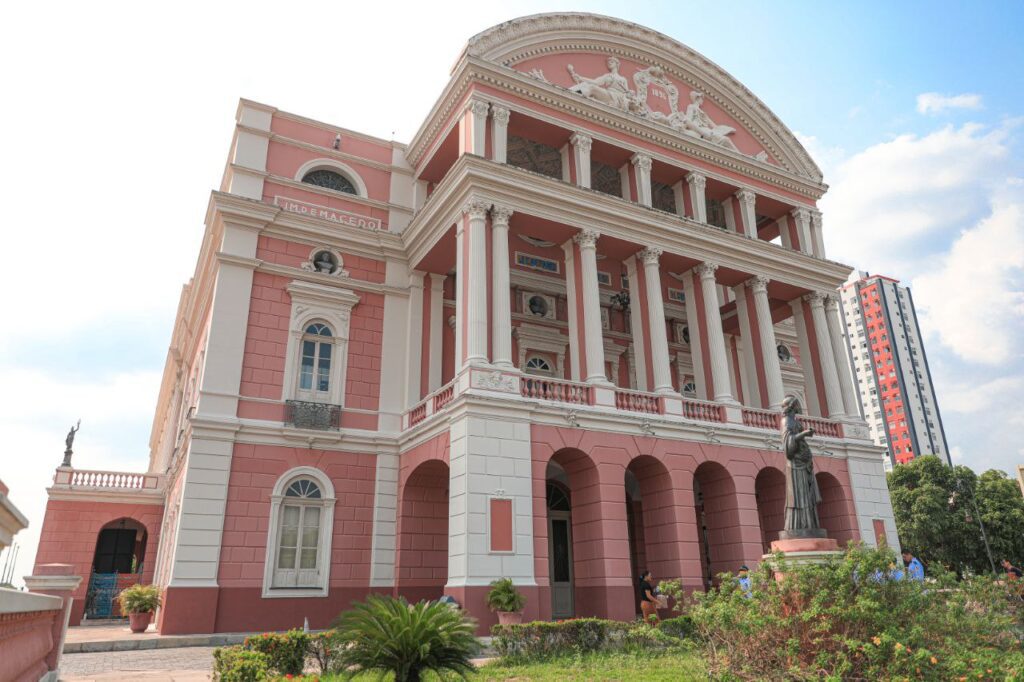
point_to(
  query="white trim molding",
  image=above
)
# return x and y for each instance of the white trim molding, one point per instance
(334, 165)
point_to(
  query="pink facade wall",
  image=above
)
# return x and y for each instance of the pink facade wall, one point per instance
(71, 528)
(26, 642)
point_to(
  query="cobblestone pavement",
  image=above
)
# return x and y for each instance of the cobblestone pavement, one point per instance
(190, 664)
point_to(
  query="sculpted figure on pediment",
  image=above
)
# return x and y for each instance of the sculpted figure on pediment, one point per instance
(696, 122)
(611, 88)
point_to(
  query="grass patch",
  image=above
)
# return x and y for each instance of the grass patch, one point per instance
(674, 667)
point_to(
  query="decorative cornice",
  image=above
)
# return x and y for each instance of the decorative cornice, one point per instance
(587, 239)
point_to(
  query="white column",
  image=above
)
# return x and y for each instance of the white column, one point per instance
(581, 157)
(704, 389)
(680, 198)
(806, 352)
(636, 328)
(436, 331)
(697, 183)
(747, 200)
(501, 309)
(802, 218)
(817, 238)
(716, 338)
(414, 352)
(758, 287)
(499, 133)
(472, 284)
(841, 353)
(783, 223)
(474, 140)
(656, 314)
(642, 170)
(826, 359)
(748, 359)
(593, 335)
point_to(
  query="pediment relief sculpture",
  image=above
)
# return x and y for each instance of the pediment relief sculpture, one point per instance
(613, 89)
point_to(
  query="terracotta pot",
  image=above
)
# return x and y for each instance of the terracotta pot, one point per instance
(138, 622)
(510, 617)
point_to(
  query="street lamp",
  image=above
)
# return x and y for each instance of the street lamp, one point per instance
(974, 505)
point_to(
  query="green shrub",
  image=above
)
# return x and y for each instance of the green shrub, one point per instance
(235, 664)
(139, 599)
(504, 596)
(680, 627)
(384, 634)
(324, 649)
(542, 640)
(285, 651)
(847, 619)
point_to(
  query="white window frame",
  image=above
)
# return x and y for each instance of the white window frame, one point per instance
(338, 167)
(323, 558)
(328, 305)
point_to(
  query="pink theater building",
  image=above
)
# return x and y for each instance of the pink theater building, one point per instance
(546, 339)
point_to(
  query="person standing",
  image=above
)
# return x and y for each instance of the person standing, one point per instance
(1012, 572)
(915, 569)
(648, 600)
(744, 580)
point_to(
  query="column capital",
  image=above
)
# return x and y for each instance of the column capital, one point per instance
(475, 207)
(500, 215)
(478, 107)
(815, 298)
(746, 196)
(650, 255)
(801, 214)
(831, 302)
(758, 284)
(581, 141)
(641, 161)
(697, 179)
(706, 270)
(815, 218)
(587, 239)
(500, 114)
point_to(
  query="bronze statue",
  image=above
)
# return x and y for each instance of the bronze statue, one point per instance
(802, 494)
(68, 442)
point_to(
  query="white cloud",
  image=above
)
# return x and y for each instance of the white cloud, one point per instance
(933, 102)
(973, 397)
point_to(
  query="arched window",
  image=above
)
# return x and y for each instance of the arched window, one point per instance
(557, 498)
(329, 179)
(298, 551)
(538, 365)
(315, 368)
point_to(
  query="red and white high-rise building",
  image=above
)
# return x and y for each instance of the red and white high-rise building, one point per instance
(893, 379)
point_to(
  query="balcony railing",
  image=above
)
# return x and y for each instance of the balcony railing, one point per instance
(308, 415)
(85, 480)
(636, 401)
(760, 419)
(555, 390)
(443, 397)
(700, 410)
(822, 427)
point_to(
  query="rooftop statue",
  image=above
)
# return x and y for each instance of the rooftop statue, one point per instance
(802, 494)
(68, 442)
(612, 88)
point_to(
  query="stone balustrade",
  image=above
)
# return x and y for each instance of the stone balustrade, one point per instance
(83, 479)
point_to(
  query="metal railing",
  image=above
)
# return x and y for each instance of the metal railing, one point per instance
(308, 415)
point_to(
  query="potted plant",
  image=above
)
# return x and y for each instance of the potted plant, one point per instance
(507, 601)
(139, 602)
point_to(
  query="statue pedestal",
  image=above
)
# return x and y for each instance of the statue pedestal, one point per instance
(806, 550)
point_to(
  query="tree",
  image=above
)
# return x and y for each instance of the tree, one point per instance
(936, 517)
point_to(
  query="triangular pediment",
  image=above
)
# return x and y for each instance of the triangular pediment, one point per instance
(647, 75)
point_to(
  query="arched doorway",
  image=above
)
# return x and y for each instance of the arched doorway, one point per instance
(834, 512)
(559, 506)
(770, 491)
(651, 521)
(718, 521)
(117, 563)
(422, 562)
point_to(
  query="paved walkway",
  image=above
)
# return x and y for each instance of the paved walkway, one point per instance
(118, 637)
(185, 664)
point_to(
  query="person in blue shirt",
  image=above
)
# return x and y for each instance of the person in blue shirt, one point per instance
(915, 569)
(744, 580)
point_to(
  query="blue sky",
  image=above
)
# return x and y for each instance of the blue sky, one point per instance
(119, 118)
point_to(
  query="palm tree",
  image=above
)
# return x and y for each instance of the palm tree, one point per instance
(384, 634)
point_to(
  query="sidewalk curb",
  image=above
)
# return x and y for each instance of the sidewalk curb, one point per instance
(167, 642)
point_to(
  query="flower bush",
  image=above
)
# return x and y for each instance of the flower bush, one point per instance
(285, 651)
(543, 640)
(849, 619)
(235, 664)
